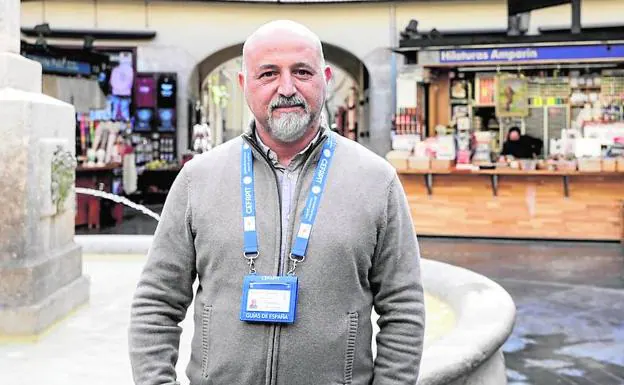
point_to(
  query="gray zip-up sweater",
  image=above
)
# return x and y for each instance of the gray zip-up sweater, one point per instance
(363, 252)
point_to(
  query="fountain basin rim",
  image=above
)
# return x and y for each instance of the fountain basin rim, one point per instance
(485, 316)
(485, 313)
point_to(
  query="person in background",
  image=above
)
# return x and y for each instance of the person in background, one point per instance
(521, 146)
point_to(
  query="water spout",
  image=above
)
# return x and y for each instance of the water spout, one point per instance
(118, 199)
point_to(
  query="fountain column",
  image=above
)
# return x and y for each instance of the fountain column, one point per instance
(41, 276)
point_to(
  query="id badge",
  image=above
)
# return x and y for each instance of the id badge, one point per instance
(269, 299)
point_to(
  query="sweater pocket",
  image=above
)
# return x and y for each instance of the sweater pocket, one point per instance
(205, 339)
(352, 329)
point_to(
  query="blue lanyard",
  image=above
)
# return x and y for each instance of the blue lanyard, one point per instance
(309, 213)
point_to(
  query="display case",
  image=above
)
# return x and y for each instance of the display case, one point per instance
(154, 131)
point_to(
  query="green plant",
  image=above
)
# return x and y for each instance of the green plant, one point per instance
(63, 167)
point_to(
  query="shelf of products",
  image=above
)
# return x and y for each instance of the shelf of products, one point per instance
(572, 119)
(407, 121)
(557, 101)
(155, 117)
(139, 117)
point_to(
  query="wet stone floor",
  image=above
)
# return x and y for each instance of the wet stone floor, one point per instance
(570, 305)
(89, 346)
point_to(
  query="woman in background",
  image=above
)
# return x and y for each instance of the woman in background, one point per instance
(521, 146)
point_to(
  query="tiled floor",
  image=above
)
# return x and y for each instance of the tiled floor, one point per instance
(569, 297)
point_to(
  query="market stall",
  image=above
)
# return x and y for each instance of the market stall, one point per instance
(126, 123)
(515, 141)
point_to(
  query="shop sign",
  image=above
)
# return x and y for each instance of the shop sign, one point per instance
(532, 54)
(61, 65)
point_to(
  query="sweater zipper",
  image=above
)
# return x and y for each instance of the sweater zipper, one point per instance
(279, 203)
(274, 328)
(289, 234)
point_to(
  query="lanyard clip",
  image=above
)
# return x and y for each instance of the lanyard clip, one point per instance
(295, 259)
(251, 258)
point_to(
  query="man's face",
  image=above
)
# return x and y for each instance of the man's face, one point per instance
(513, 135)
(285, 84)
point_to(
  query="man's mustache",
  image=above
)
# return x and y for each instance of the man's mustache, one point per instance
(293, 101)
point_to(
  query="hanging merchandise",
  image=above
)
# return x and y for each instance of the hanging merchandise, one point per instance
(145, 91)
(166, 119)
(202, 138)
(103, 78)
(122, 76)
(459, 89)
(485, 89)
(155, 126)
(167, 94)
(144, 120)
(106, 144)
(119, 107)
(511, 96)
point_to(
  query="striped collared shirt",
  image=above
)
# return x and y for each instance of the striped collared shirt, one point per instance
(287, 177)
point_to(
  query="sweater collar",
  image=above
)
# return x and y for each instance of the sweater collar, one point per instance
(252, 134)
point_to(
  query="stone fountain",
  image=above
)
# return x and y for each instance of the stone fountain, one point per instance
(41, 276)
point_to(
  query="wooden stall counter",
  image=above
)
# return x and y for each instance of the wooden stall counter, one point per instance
(508, 203)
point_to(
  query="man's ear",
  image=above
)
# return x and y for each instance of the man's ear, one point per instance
(328, 74)
(241, 80)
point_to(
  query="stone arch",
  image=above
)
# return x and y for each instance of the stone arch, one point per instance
(333, 53)
(348, 63)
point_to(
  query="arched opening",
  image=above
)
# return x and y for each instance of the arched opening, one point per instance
(223, 109)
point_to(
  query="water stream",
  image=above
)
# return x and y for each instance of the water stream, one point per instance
(118, 199)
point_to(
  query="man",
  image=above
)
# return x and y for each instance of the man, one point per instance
(294, 235)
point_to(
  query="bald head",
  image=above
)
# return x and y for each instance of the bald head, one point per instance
(284, 78)
(282, 30)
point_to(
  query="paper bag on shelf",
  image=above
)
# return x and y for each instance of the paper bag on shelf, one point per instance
(398, 159)
(590, 164)
(419, 163)
(441, 164)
